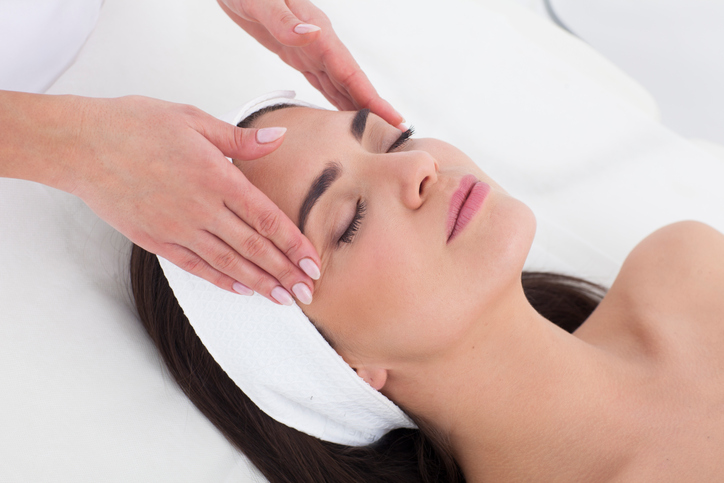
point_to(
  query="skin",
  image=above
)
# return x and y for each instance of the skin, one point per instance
(157, 172)
(444, 330)
(407, 194)
(318, 54)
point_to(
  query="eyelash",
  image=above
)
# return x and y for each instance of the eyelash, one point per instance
(353, 227)
(402, 140)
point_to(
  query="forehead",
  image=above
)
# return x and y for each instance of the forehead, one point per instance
(314, 138)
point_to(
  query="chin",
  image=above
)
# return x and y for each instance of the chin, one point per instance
(506, 240)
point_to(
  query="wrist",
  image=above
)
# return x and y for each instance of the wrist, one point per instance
(43, 138)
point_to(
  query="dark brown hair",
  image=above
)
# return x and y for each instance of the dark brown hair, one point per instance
(283, 454)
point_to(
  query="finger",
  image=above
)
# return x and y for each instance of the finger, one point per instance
(256, 30)
(365, 95)
(258, 249)
(312, 79)
(286, 28)
(269, 222)
(225, 259)
(341, 101)
(385, 110)
(344, 71)
(240, 143)
(189, 261)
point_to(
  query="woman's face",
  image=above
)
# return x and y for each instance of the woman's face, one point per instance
(394, 287)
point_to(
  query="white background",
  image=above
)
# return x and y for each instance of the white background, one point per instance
(672, 47)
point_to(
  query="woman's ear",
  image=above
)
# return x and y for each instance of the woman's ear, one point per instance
(374, 377)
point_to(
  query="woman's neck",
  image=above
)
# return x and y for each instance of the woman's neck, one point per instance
(520, 400)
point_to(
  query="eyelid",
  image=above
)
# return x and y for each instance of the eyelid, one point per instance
(352, 228)
(337, 220)
(401, 140)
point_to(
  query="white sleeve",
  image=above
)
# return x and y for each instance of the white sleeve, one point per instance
(40, 39)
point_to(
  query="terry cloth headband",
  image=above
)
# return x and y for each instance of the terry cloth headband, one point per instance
(276, 356)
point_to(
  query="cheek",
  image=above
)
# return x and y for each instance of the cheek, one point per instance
(392, 301)
(399, 296)
(493, 260)
(372, 304)
(512, 229)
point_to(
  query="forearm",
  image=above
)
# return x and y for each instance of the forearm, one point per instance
(41, 137)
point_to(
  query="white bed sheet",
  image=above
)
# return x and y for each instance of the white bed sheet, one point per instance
(85, 397)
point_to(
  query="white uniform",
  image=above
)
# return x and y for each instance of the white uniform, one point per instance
(40, 39)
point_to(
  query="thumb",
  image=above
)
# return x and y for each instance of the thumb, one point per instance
(244, 144)
(285, 27)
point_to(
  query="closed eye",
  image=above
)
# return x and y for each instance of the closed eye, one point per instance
(402, 140)
(349, 234)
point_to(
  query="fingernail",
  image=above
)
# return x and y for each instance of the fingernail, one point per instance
(310, 268)
(282, 296)
(305, 28)
(304, 295)
(242, 289)
(403, 126)
(269, 134)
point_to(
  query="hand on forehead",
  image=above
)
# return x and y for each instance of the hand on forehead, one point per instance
(314, 138)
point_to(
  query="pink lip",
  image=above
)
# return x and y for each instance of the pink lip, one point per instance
(465, 202)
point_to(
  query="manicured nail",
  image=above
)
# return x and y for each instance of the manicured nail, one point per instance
(282, 296)
(304, 295)
(242, 289)
(269, 134)
(305, 28)
(310, 268)
(403, 126)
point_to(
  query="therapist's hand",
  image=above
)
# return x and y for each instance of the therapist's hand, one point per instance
(157, 172)
(302, 36)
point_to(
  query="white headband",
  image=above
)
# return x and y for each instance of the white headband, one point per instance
(273, 98)
(275, 355)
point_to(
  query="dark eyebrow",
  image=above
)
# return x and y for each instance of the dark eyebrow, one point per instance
(320, 184)
(331, 172)
(358, 123)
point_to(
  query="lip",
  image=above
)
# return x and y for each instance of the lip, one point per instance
(466, 201)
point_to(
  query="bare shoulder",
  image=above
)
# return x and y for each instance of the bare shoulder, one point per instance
(677, 269)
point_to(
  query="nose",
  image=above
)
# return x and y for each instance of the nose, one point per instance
(416, 173)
